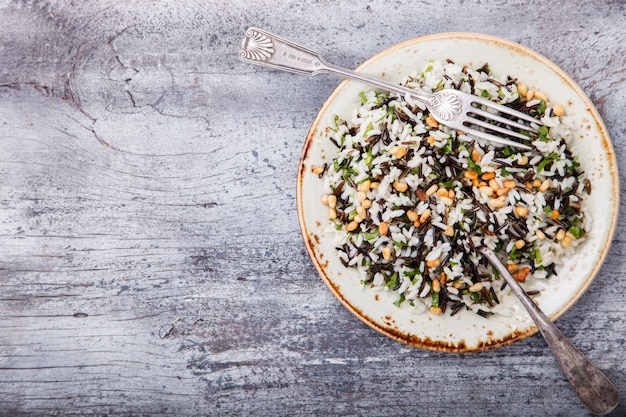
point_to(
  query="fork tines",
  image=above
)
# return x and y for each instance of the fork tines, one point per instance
(508, 121)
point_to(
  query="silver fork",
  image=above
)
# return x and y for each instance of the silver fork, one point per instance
(452, 108)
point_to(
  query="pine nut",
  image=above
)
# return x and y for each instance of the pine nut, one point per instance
(430, 140)
(502, 191)
(521, 211)
(365, 186)
(350, 227)
(520, 243)
(476, 156)
(434, 263)
(317, 170)
(442, 192)
(425, 215)
(522, 89)
(358, 218)
(566, 242)
(332, 201)
(496, 202)
(449, 231)
(560, 235)
(523, 160)
(486, 190)
(412, 215)
(436, 285)
(400, 186)
(494, 184)
(383, 229)
(555, 214)
(374, 185)
(558, 110)
(540, 235)
(512, 267)
(430, 121)
(509, 184)
(360, 196)
(435, 310)
(325, 199)
(488, 175)
(447, 200)
(530, 95)
(451, 193)
(401, 152)
(361, 212)
(433, 188)
(332, 214)
(541, 96)
(544, 186)
(469, 174)
(476, 287)
(386, 252)
(536, 183)
(366, 204)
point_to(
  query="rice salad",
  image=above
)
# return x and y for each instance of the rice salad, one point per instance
(410, 200)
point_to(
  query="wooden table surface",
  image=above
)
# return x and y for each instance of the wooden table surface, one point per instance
(151, 261)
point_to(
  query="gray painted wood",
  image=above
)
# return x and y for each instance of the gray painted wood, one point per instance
(150, 256)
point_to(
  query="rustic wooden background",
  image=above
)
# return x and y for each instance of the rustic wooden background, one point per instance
(151, 261)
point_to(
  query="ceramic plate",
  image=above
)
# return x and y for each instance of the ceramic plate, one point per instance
(465, 331)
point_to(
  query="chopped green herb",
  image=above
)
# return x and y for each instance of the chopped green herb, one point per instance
(393, 281)
(547, 161)
(447, 148)
(400, 300)
(368, 158)
(369, 127)
(508, 151)
(541, 107)
(474, 166)
(363, 96)
(576, 231)
(538, 258)
(504, 172)
(543, 133)
(435, 298)
(371, 235)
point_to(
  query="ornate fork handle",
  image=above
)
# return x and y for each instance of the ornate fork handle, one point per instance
(595, 390)
(263, 48)
(451, 107)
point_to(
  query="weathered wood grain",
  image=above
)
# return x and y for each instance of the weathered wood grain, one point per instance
(150, 257)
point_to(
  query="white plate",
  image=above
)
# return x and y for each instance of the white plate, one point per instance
(465, 331)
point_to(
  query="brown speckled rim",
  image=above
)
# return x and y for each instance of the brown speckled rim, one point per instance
(428, 343)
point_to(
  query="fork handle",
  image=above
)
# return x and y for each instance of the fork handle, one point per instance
(263, 48)
(595, 390)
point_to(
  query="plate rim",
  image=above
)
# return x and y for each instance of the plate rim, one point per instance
(516, 335)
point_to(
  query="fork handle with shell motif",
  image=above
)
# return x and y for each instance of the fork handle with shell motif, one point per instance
(266, 49)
